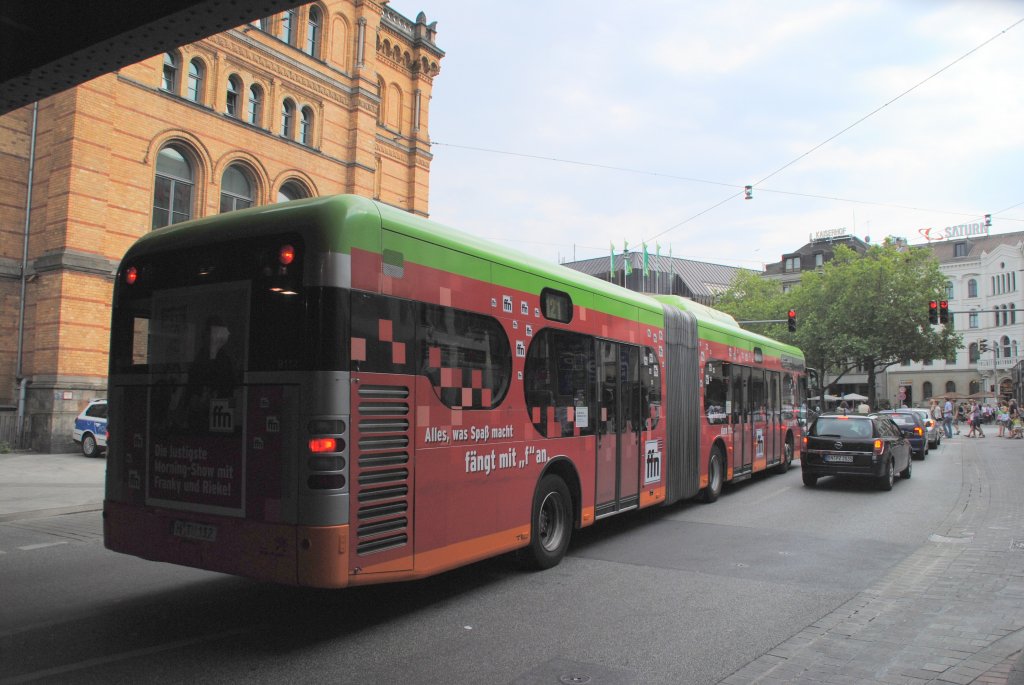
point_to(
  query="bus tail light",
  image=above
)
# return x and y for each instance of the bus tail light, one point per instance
(318, 445)
(286, 255)
(131, 275)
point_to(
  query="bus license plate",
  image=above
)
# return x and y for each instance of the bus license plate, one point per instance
(194, 531)
(839, 458)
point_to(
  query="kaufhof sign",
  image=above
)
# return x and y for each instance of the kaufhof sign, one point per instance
(949, 232)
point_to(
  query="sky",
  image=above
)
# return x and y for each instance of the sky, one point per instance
(562, 126)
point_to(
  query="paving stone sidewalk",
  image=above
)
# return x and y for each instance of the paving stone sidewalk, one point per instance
(952, 612)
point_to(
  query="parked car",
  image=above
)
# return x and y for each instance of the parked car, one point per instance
(932, 428)
(913, 427)
(862, 445)
(91, 428)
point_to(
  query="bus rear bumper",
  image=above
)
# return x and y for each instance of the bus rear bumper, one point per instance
(273, 552)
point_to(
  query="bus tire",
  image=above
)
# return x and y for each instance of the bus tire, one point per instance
(716, 475)
(787, 456)
(550, 524)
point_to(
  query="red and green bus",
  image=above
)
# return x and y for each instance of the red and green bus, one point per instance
(333, 392)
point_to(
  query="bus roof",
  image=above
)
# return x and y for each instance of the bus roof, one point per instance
(315, 216)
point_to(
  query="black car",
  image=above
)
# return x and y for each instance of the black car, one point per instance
(913, 428)
(865, 445)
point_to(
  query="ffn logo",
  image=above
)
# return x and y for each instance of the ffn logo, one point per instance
(222, 419)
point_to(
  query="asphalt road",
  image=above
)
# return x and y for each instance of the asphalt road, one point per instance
(685, 594)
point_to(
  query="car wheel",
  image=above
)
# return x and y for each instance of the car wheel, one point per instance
(89, 447)
(551, 524)
(787, 457)
(889, 477)
(905, 473)
(810, 480)
(716, 475)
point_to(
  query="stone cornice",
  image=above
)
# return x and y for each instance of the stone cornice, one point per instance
(72, 260)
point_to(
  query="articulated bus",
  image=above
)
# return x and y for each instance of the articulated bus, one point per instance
(332, 392)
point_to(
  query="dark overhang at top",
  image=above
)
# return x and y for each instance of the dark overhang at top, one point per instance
(46, 48)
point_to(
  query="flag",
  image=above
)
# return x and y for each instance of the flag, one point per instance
(647, 267)
(625, 255)
(611, 263)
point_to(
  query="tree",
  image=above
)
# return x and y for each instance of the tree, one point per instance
(753, 298)
(872, 311)
(869, 311)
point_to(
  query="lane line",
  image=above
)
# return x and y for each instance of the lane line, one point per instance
(41, 545)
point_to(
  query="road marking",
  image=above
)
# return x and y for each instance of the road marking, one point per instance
(28, 548)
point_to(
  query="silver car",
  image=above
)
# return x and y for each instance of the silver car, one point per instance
(932, 428)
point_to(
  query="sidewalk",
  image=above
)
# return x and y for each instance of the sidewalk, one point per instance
(33, 485)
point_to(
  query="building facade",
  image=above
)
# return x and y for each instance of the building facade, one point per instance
(983, 290)
(329, 97)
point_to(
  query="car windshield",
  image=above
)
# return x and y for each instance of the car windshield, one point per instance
(842, 427)
(903, 420)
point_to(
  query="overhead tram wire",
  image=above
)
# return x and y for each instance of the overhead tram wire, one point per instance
(854, 124)
(612, 167)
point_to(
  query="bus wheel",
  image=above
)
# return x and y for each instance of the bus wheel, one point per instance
(551, 524)
(787, 457)
(716, 475)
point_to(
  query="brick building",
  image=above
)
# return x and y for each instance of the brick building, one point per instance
(329, 97)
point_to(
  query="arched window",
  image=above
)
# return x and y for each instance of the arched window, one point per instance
(1006, 346)
(288, 119)
(949, 290)
(394, 113)
(255, 105)
(306, 126)
(950, 386)
(196, 72)
(172, 192)
(170, 76)
(288, 27)
(235, 189)
(292, 190)
(234, 91)
(972, 288)
(313, 31)
(926, 390)
(973, 353)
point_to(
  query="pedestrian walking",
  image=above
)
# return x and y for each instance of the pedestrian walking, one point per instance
(947, 418)
(974, 419)
(1003, 418)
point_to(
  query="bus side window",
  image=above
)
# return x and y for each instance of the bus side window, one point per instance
(560, 384)
(716, 392)
(650, 389)
(466, 356)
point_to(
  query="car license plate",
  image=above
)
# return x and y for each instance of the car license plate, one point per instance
(839, 458)
(194, 531)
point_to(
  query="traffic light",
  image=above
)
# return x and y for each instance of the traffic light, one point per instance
(943, 312)
(933, 312)
(792, 321)
(983, 345)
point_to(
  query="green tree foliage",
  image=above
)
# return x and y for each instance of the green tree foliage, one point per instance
(753, 298)
(869, 311)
